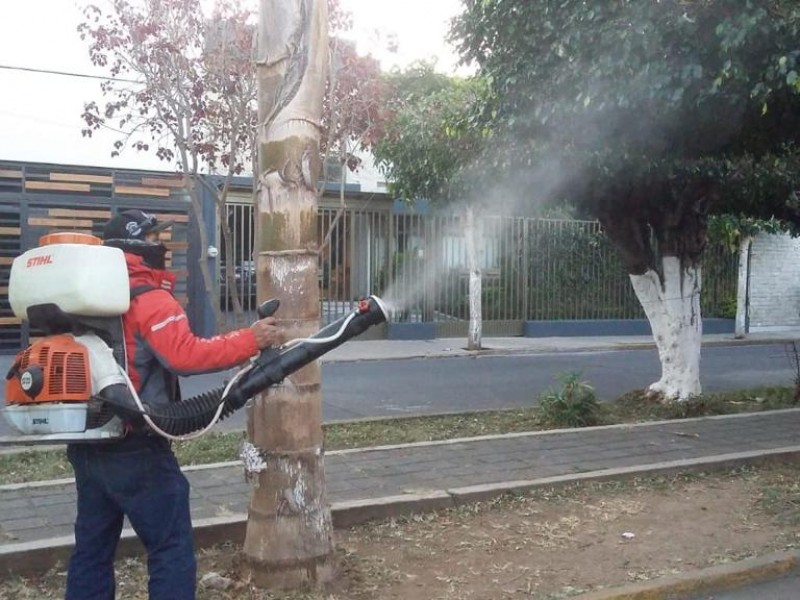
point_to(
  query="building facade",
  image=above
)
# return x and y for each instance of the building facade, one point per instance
(539, 276)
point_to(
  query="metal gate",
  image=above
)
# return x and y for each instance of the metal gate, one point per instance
(532, 269)
(353, 259)
(241, 224)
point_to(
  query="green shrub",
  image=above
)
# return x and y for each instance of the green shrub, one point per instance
(727, 309)
(574, 405)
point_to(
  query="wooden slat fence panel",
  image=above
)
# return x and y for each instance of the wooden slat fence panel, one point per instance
(11, 329)
(38, 199)
(57, 186)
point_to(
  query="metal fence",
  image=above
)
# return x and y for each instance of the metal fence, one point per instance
(532, 269)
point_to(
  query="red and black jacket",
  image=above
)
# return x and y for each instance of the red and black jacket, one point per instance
(160, 346)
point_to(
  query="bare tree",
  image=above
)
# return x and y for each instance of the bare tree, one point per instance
(353, 111)
(182, 86)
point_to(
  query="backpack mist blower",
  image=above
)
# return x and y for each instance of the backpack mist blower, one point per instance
(72, 385)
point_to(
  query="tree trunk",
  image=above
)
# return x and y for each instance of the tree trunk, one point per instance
(743, 288)
(673, 309)
(473, 264)
(289, 540)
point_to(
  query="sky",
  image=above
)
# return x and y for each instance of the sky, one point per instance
(419, 27)
(40, 113)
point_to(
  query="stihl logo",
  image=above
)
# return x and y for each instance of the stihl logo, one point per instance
(37, 261)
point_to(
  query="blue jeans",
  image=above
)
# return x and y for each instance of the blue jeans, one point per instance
(137, 477)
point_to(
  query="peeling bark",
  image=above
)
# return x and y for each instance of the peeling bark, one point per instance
(289, 541)
(474, 267)
(673, 310)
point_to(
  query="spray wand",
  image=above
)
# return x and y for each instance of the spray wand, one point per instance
(195, 416)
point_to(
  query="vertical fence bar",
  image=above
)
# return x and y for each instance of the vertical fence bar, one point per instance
(533, 269)
(525, 272)
(523, 278)
(348, 259)
(529, 269)
(546, 266)
(551, 282)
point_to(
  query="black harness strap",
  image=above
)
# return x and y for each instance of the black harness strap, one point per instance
(141, 289)
(172, 381)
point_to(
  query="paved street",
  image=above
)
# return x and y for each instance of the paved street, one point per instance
(379, 388)
(367, 389)
(785, 588)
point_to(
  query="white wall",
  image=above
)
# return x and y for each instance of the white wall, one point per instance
(370, 177)
(774, 282)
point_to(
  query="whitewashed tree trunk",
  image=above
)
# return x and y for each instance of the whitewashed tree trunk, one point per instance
(472, 235)
(742, 288)
(673, 309)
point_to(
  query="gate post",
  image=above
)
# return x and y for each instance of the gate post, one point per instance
(199, 303)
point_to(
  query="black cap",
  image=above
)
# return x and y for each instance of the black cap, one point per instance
(132, 225)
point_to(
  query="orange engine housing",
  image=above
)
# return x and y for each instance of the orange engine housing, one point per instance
(65, 366)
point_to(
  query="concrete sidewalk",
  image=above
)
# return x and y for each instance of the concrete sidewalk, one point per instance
(36, 518)
(447, 347)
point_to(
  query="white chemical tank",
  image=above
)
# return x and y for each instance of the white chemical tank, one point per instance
(80, 276)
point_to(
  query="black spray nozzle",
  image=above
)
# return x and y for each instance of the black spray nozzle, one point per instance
(270, 368)
(280, 364)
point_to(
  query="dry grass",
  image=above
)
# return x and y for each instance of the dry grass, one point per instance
(552, 543)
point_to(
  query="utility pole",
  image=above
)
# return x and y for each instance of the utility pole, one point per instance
(289, 542)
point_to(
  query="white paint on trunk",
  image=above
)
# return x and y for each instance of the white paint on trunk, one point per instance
(301, 497)
(252, 459)
(473, 264)
(290, 273)
(673, 310)
(742, 287)
(294, 496)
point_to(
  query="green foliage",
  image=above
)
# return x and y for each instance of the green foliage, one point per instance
(728, 307)
(559, 270)
(720, 281)
(574, 405)
(575, 274)
(558, 68)
(418, 80)
(432, 134)
(732, 230)
(659, 113)
(759, 192)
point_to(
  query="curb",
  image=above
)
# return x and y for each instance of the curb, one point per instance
(32, 558)
(464, 440)
(442, 442)
(609, 346)
(711, 579)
